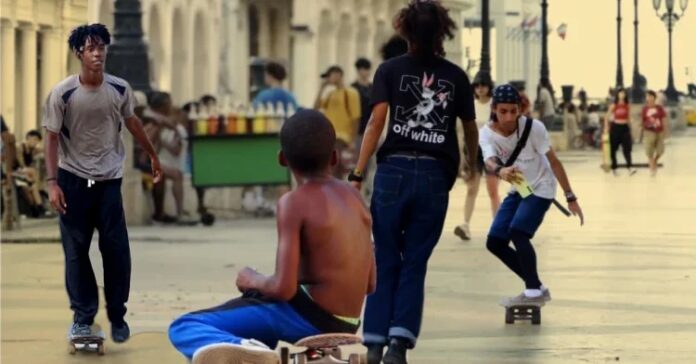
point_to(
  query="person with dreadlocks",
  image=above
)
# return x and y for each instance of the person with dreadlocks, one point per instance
(83, 117)
(521, 214)
(417, 166)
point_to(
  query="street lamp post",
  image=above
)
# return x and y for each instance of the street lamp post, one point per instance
(619, 67)
(128, 54)
(484, 72)
(637, 90)
(544, 41)
(670, 18)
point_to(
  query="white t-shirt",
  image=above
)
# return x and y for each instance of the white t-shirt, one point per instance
(483, 112)
(168, 136)
(532, 159)
(546, 99)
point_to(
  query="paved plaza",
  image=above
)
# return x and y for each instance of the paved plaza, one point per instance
(623, 286)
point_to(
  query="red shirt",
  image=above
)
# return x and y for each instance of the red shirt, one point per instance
(621, 112)
(654, 118)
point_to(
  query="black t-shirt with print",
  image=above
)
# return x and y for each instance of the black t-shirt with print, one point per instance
(425, 100)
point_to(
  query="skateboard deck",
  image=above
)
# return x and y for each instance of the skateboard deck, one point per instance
(92, 343)
(528, 311)
(606, 153)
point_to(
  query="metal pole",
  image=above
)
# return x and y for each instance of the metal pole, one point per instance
(544, 41)
(619, 68)
(637, 92)
(671, 92)
(127, 57)
(485, 68)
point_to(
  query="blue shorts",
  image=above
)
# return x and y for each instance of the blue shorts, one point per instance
(523, 214)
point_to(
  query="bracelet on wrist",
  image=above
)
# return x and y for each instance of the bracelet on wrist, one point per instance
(570, 197)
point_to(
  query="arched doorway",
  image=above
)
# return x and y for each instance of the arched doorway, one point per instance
(179, 54)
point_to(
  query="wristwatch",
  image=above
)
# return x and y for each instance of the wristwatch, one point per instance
(355, 176)
(570, 197)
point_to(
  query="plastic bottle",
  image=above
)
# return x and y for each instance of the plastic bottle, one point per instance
(259, 124)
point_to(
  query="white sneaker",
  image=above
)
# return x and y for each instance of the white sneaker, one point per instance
(248, 351)
(462, 231)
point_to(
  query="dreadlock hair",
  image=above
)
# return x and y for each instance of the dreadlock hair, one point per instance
(96, 32)
(425, 24)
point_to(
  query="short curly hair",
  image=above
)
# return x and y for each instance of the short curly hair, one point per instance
(425, 24)
(78, 37)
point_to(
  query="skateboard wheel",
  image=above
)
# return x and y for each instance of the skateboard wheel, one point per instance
(509, 319)
(335, 352)
(301, 359)
(357, 359)
(208, 219)
(536, 318)
(72, 349)
(100, 349)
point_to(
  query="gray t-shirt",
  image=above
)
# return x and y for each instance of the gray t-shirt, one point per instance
(89, 124)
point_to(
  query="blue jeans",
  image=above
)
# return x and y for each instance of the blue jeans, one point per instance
(517, 220)
(409, 206)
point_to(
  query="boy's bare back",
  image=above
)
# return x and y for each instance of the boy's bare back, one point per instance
(336, 253)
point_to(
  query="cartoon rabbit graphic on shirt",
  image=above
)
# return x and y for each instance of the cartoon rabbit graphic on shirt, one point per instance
(420, 116)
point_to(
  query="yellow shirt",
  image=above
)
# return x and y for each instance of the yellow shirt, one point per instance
(342, 108)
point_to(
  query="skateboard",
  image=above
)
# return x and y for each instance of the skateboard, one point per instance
(529, 311)
(323, 349)
(606, 153)
(93, 343)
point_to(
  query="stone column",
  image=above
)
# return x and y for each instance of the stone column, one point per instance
(8, 73)
(29, 99)
(50, 59)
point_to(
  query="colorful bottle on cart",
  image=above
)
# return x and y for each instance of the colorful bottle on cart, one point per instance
(280, 115)
(231, 126)
(269, 115)
(202, 123)
(259, 124)
(192, 120)
(249, 116)
(212, 123)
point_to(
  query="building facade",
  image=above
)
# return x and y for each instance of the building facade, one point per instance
(199, 47)
(35, 55)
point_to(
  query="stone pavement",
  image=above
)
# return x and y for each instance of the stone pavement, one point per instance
(622, 285)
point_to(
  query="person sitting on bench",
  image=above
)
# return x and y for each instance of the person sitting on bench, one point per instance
(324, 265)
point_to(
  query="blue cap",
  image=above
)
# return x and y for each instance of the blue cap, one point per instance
(506, 94)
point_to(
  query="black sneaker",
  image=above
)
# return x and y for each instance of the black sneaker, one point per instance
(120, 332)
(374, 353)
(396, 354)
(78, 330)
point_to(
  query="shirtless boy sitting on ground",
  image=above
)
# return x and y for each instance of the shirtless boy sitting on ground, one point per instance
(324, 266)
